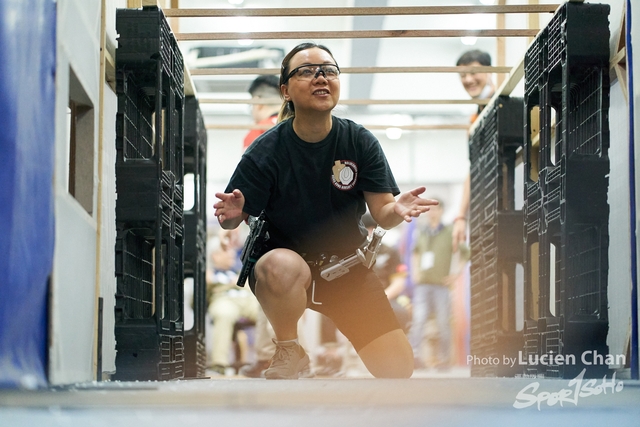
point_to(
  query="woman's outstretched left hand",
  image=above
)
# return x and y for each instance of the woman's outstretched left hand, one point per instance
(410, 205)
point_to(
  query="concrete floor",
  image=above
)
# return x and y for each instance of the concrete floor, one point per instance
(428, 399)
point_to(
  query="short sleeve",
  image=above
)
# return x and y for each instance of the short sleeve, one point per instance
(376, 175)
(254, 183)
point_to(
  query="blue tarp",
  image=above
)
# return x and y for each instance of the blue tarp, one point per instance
(27, 140)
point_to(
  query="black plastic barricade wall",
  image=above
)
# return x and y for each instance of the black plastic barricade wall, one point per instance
(195, 169)
(566, 183)
(496, 237)
(150, 222)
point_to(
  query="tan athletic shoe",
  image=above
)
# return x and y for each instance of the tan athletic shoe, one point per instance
(290, 361)
(255, 370)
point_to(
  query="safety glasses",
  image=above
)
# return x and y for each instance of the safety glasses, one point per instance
(313, 71)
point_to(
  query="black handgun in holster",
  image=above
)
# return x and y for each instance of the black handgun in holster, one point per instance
(253, 246)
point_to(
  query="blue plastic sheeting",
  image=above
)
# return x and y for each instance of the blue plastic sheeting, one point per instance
(27, 140)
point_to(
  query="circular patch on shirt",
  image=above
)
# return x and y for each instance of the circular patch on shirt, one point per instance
(345, 174)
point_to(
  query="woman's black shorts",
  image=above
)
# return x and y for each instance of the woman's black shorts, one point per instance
(356, 303)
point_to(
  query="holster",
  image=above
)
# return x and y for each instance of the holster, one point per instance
(253, 246)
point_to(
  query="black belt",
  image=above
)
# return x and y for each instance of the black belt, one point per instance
(322, 258)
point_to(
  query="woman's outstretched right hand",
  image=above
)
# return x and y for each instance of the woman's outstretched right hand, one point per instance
(228, 209)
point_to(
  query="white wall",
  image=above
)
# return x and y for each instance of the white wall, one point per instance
(619, 229)
(73, 299)
(106, 273)
(619, 278)
(84, 260)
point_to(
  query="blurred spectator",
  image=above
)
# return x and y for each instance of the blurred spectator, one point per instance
(266, 87)
(478, 86)
(227, 302)
(431, 271)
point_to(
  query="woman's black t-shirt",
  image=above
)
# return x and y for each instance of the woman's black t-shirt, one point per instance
(312, 193)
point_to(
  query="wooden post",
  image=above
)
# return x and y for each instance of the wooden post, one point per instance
(97, 351)
(534, 20)
(501, 43)
(174, 23)
(152, 3)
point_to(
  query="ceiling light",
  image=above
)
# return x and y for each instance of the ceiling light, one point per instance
(236, 2)
(393, 133)
(469, 41)
(245, 42)
(485, 2)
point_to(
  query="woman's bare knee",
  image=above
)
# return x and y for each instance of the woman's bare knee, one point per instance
(280, 270)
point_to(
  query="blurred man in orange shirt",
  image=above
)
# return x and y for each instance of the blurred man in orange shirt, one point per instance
(268, 88)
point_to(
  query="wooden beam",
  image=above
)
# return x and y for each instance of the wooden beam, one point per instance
(358, 11)
(462, 127)
(618, 63)
(517, 73)
(361, 34)
(110, 69)
(619, 57)
(354, 101)
(189, 87)
(352, 70)
(413, 101)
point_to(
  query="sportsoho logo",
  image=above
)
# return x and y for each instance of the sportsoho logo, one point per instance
(577, 389)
